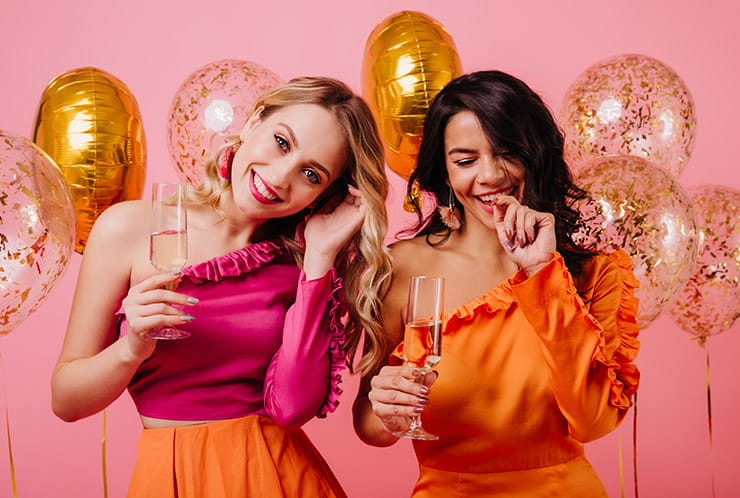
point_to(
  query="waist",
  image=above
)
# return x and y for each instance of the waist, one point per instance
(163, 423)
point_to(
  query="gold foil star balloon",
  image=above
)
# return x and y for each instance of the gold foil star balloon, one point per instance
(629, 105)
(37, 228)
(636, 206)
(709, 303)
(88, 121)
(409, 57)
(213, 102)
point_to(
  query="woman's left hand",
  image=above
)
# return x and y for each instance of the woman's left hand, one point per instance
(326, 233)
(527, 235)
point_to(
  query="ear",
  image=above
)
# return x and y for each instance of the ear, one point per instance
(253, 121)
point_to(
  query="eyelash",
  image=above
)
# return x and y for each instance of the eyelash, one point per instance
(282, 143)
(464, 162)
(312, 176)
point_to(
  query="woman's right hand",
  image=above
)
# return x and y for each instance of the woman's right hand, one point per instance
(149, 306)
(396, 395)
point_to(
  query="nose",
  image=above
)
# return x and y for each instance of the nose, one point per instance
(491, 170)
(281, 172)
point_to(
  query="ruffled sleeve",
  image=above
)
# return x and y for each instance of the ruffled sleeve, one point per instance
(303, 377)
(589, 340)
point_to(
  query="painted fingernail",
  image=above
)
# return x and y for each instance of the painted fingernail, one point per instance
(187, 318)
(418, 409)
(193, 300)
(509, 245)
(176, 271)
(424, 390)
(415, 373)
(423, 401)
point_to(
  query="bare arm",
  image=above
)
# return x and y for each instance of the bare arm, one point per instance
(94, 367)
(386, 400)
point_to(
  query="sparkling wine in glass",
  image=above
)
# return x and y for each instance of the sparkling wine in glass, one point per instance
(422, 341)
(168, 245)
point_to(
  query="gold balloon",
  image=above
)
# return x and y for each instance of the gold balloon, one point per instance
(88, 121)
(409, 57)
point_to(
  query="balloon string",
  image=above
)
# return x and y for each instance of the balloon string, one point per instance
(104, 466)
(634, 445)
(7, 430)
(621, 467)
(702, 343)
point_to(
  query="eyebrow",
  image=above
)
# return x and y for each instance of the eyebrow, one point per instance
(461, 150)
(315, 164)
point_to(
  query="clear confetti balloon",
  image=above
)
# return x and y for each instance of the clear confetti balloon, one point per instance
(409, 57)
(709, 303)
(37, 228)
(213, 102)
(629, 105)
(636, 206)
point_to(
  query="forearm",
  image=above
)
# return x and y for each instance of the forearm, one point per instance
(85, 386)
(368, 427)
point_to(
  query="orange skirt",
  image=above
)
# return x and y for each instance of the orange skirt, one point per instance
(244, 457)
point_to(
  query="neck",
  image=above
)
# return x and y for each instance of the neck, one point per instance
(480, 240)
(236, 224)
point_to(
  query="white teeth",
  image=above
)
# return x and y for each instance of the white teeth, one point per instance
(262, 189)
(490, 197)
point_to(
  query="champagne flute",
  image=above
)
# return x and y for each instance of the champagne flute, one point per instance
(422, 341)
(168, 248)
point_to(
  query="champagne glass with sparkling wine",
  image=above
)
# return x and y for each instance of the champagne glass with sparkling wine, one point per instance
(422, 341)
(168, 249)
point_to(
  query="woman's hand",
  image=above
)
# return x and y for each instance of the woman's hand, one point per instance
(396, 397)
(527, 235)
(327, 232)
(149, 306)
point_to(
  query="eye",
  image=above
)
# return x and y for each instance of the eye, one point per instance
(312, 176)
(464, 162)
(282, 143)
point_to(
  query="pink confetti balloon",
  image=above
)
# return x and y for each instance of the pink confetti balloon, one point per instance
(629, 105)
(213, 102)
(37, 228)
(709, 303)
(637, 207)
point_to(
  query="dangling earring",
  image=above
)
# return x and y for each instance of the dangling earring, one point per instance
(450, 216)
(225, 159)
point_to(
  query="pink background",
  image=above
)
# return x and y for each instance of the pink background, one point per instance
(153, 46)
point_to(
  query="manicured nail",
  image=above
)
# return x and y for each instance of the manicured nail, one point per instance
(415, 373)
(187, 318)
(424, 390)
(176, 271)
(423, 401)
(193, 300)
(509, 245)
(418, 409)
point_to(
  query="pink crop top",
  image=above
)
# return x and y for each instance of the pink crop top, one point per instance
(264, 341)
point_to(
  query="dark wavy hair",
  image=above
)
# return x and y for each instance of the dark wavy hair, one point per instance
(519, 126)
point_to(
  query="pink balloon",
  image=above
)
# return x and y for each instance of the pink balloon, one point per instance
(213, 102)
(709, 303)
(635, 206)
(37, 228)
(629, 105)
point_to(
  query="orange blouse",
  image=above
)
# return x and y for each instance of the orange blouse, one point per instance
(530, 371)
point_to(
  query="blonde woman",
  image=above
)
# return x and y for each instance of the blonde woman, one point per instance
(286, 269)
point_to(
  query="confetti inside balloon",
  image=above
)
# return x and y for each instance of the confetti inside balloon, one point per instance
(629, 105)
(37, 228)
(88, 121)
(636, 206)
(409, 57)
(213, 102)
(709, 303)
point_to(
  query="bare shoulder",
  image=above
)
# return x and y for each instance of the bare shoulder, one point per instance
(412, 254)
(121, 221)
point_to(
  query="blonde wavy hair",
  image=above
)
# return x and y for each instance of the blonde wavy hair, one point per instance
(365, 262)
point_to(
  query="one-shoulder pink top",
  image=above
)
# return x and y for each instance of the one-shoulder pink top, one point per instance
(264, 341)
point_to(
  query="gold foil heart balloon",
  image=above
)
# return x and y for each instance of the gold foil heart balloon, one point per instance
(409, 57)
(88, 121)
(37, 228)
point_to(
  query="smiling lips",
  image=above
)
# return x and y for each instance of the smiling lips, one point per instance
(489, 197)
(262, 192)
